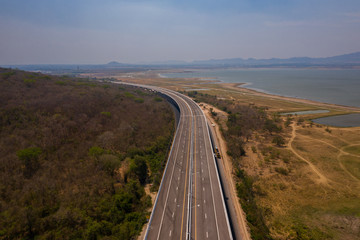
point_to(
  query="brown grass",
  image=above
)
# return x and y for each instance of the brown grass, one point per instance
(322, 189)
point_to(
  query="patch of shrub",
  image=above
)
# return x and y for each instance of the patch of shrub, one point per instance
(29, 157)
(8, 74)
(61, 83)
(254, 214)
(29, 82)
(278, 141)
(139, 100)
(158, 99)
(301, 231)
(107, 114)
(253, 149)
(129, 95)
(327, 129)
(282, 171)
(109, 163)
(96, 151)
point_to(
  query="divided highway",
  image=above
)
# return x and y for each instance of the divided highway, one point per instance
(190, 202)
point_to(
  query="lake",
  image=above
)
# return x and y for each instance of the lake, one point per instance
(323, 85)
(349, 120)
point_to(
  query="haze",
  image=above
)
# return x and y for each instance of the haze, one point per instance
(135, 31)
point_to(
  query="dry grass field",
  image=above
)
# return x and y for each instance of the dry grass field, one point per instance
(312, 184)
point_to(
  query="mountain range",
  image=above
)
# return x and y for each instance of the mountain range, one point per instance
(346, 60)
(351, 60)
(342, 61)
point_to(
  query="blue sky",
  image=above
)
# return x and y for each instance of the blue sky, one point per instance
(94, 31)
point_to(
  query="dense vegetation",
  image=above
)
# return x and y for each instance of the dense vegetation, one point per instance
(76, 155)
(242, 122)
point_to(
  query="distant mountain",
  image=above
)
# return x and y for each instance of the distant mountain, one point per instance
(352, 58)
(346, 60)
(165, 63)
(114, 63)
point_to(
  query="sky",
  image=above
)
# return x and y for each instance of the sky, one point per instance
(143, 31)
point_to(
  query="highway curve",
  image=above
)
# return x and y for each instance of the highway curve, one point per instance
(190, 202)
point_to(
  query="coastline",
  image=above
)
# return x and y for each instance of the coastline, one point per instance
(237, 86)
(184, 83)
(259, 92)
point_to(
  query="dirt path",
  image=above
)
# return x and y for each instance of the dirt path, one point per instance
(333, 146)
(153, 196)
(341, 152)
(322, 179)
(345, 169)
(227, 165)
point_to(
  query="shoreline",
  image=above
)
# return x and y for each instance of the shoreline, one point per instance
(239, 87)
(260, 92)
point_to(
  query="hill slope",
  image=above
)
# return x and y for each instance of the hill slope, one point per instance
(75, 156)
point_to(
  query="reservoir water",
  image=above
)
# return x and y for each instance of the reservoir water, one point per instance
(330, 86)
(349, 120)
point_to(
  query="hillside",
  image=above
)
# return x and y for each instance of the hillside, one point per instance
(76, 155)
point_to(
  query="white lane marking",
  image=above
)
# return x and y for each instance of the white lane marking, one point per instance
(207, 234)
(170, 234)
(202, 170)
(205, 216)
(204, 201)
(173, 215)
(177, 188)
(175, 200)
(178, 178)
(203, 179)
(203, 189)
(172, 175)
(211, 187)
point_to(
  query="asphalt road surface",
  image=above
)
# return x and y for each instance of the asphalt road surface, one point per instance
(190, 202)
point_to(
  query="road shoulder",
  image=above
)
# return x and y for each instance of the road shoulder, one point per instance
(228, 170)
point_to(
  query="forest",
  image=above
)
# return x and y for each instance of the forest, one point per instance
(76, 156)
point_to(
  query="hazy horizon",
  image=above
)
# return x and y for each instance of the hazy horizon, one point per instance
(137, 31)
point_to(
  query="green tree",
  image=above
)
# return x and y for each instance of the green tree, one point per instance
(29, 157)
(139, 168)
(96, 151)
(278, 141)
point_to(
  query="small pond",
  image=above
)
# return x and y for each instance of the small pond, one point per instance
(305, 112)
(196, 89)
(348, 120)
